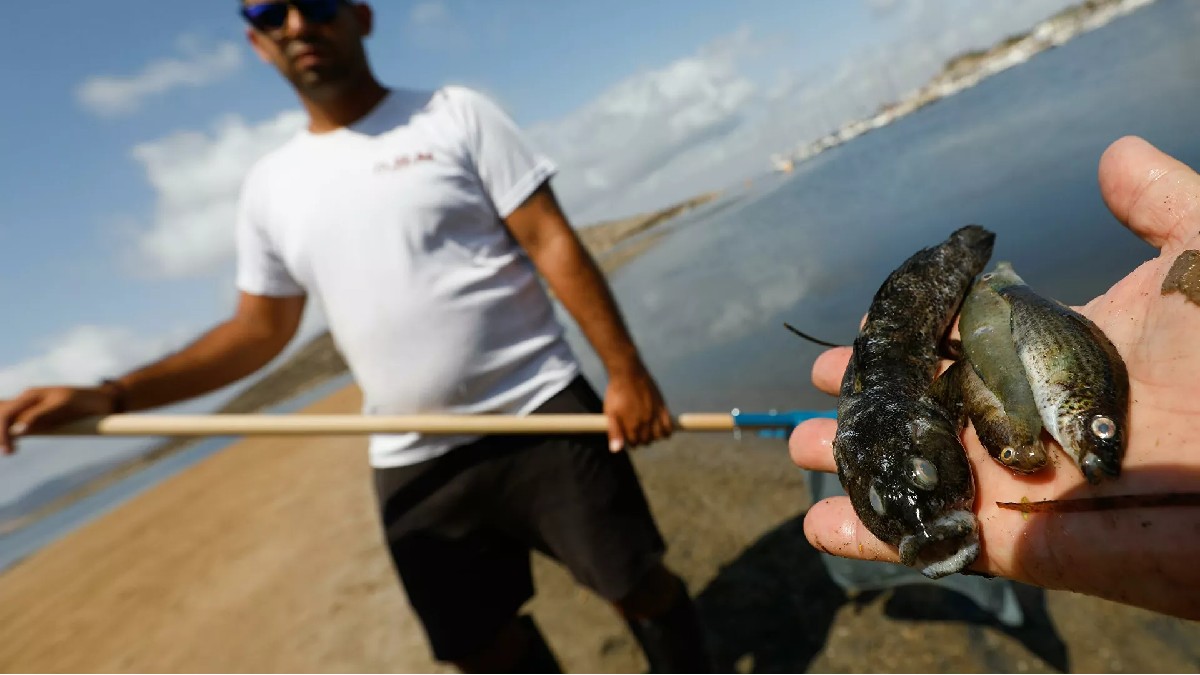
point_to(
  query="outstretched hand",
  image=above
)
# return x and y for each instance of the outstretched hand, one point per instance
(1140, 556)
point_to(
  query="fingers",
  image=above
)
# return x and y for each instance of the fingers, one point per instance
(811, 445)
(663, 426)
(828, 369)
(616, 434)
(1155, 195)
(831, 526)
(44, 414)
(11, 425)
(651, 423)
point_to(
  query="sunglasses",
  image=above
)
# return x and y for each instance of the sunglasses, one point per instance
(268, 16)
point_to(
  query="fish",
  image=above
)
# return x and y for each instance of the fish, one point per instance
(897, 447)
(995, 390)
(1078, 379)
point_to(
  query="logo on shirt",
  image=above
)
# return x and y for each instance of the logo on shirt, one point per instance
(402, 161)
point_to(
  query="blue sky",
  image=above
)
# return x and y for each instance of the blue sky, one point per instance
(128, 126)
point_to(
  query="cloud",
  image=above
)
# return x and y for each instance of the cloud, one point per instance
(704, 121)
(197, 178)
(714, 118)
(643, 124)
(82, 356)
(432, 26)
(112, 96)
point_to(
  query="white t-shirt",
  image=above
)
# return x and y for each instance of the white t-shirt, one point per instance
(394, 226)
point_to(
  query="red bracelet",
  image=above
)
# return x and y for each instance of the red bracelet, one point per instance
(116, 392)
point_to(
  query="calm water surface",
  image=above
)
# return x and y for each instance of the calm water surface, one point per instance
(1017, 154)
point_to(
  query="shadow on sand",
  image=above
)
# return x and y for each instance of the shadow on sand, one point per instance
(775, 605)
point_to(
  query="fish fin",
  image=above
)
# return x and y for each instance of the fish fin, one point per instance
(810, 338)
(946, 391)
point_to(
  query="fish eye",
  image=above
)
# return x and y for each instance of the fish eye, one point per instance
(987, 277)
(1103, 427)
(923, 473)
(876, 501)
(1008, 454)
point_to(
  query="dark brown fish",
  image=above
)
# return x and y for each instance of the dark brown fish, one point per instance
(897, 447)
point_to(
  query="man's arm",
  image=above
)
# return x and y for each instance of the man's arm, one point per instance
(258, 331)
(636, 411)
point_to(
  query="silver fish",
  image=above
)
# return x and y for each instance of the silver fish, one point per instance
(995, 390)
(1078, 379)
(897, 447)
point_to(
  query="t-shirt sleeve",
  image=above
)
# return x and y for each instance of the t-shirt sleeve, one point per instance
(260, 268)
(509, 167)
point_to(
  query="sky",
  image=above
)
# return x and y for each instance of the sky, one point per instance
(129, 125)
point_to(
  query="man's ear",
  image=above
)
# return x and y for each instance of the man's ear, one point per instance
(255, 40)
(365, 17)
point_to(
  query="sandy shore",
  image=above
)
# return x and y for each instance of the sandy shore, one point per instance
(267, 558)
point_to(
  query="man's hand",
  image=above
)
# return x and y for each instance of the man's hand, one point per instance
(1139, 556)
(259, 330)
(44, 408)
(636, 412)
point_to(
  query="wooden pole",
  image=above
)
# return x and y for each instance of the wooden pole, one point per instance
(339, 425)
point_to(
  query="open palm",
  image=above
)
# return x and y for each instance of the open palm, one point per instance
(1140, 556)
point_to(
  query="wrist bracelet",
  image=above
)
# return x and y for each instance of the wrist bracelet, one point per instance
(116, 391)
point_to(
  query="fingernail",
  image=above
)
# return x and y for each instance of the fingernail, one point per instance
(615, 445)
(18, 428)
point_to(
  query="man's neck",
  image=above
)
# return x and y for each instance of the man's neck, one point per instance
(343, 110)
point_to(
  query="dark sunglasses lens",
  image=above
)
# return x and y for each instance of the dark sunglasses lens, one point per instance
(272, 15)
(318, 11)
(266, 15)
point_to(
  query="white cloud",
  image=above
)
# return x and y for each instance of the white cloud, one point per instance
(197, 178)
(111, 96)
(82, 356)
(644, 123)
(701, 122)
(431, 13)
(714, 118)
(431, 25)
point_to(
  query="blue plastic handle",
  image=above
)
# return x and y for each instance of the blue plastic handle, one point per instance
(776, 424)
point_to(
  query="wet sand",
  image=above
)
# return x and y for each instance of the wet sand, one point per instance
(267, 557)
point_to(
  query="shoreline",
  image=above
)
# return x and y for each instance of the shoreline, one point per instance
(968, 70)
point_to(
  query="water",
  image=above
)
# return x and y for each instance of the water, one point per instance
(1018, 154)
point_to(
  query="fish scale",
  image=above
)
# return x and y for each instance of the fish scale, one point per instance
(1078, 379)
(995, 389)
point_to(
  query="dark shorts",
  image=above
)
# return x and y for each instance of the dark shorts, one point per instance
(460, 527)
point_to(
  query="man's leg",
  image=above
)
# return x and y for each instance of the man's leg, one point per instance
(664, 620)
(519, 648)
(465, 581)
(586, 509)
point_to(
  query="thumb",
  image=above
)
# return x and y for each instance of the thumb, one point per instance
(1155, 195)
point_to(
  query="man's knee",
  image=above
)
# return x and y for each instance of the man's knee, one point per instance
(519, 647)
(657, 591)
(665, 623)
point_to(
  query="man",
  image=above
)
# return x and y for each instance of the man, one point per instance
(419, 220)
